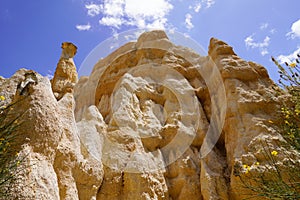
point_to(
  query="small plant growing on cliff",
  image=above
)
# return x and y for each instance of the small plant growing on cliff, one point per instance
(10, 161)
(290, 112)
(279, 178)
(271, 180)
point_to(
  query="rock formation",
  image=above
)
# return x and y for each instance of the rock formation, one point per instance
(65, 76)
(25, 87)
(56, 166)
(151, 122)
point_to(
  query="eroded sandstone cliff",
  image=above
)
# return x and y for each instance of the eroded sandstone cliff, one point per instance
(152, 121)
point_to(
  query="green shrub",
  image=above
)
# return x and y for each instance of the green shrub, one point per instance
(10, 160)
(279, 179)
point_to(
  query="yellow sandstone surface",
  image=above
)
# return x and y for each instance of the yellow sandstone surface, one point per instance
(152, 121)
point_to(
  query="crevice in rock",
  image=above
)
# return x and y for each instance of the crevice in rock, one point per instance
(221, 150)
(100, 187)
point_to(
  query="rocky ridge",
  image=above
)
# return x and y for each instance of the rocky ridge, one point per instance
(152, 121)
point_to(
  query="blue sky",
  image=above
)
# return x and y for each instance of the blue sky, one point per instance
(32, 31)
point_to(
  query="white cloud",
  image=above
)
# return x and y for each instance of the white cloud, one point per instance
(295, 30)
(115, 34)
(273, 30)
(83, 27)
(249, 41)
(94, 9)
(288, 58)
(140, 14)
(134, 36)
(264, 52)
(171, 31)
(186, 35)
(201, 3)
(113, 8)
(208, 3)
(188, 21)
(111, 21)
(262, 46)
(156, 24)
(197, 7)
(148, 14)
(147, 9)
(264, 26)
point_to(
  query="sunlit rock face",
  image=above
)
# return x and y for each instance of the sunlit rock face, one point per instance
(65, 76)
(152, 121)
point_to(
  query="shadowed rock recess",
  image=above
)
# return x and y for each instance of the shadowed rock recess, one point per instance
(134, 128)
